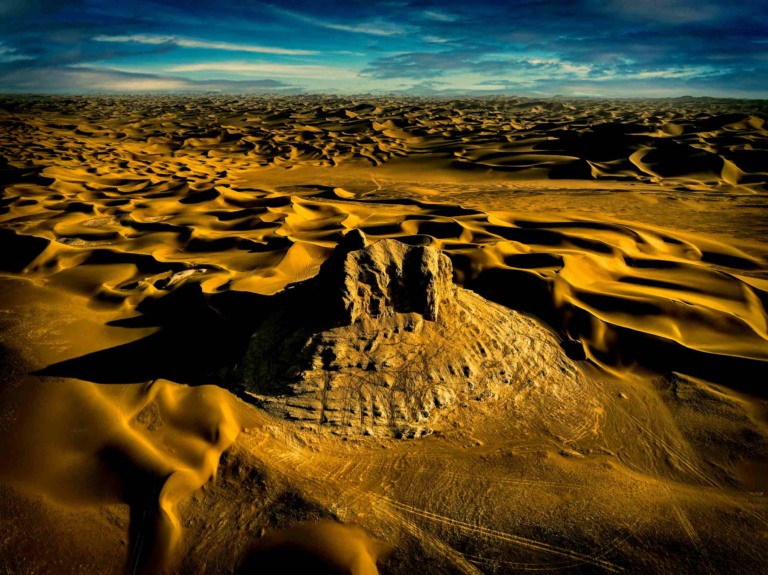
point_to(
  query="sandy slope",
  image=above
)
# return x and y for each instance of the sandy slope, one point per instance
(143, 241)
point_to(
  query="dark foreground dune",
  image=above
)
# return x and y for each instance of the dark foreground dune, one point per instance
(180, 393)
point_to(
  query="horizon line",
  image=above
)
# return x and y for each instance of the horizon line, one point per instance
(276, 93)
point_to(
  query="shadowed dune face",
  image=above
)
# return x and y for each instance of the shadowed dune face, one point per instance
(322, 548)
(145, 240)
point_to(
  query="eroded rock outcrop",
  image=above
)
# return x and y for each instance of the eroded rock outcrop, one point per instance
(382, 342)
(389, 277)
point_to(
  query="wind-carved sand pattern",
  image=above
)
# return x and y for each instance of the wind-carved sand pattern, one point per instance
(499, 335)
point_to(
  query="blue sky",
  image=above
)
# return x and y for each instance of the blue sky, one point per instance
(603, 48)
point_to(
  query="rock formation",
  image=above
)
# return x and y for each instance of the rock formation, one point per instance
(381, 342)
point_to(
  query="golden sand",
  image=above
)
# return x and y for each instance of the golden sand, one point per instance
(144, 240)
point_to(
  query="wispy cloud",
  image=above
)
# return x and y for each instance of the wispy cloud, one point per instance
(101, 79)
(374, 26)
(422, 64)
(436, 39)
(203, 44)
(668, 73)
(485, 70)
(9, 54)
(283, 70)
(554, 65)
(439, 16)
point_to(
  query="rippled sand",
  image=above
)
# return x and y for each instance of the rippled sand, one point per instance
(142, 238)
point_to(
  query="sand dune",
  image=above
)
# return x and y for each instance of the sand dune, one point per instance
(619, 244)
(595, 278)
(683, 144)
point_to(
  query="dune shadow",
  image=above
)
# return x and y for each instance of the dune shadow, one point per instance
(198, 334)
(287, 559)
(318, 547)
(140, 489)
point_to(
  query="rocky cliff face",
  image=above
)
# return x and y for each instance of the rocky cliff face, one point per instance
(386, 278)
(381, 342)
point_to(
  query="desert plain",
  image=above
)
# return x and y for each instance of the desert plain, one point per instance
(383, 335)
